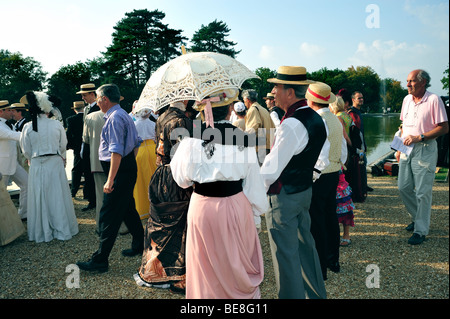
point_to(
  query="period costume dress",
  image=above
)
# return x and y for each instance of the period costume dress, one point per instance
(163, 259)
(223, 252)
(50, 208)
(146, 162)
(11, 226)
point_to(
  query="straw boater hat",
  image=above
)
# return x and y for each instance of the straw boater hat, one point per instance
(293, 75)
(4, 104)
(18, 107)
(269, 96)
(320, 93)
(86, 88)
(78, 105)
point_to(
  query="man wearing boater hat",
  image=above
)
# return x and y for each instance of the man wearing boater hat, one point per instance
(17, 110)
(89, 96)
(324, 221)
(275, 112)
(288, 177)
(9, 166)
(18, 115)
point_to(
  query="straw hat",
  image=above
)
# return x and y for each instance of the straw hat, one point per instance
(293, 75)
(78, 105)
(4, 104)
(86, 88)
(18, 107)
(269, 96)
(320, 93)
(226, 97)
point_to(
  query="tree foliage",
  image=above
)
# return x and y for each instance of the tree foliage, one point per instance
(66, 82)
(141, 43)
(212, 38)
(19, 74)
(444, 80)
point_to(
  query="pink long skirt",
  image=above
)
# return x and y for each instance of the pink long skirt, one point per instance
(223, 252)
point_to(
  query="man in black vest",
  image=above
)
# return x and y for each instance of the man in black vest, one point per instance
(288, 176)
(89, 96)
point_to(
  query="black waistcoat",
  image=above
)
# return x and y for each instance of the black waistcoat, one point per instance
(298, 174)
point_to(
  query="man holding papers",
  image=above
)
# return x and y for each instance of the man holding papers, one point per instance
(424, 119)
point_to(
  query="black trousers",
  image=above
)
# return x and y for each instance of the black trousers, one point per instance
(324, 221)
(77, 171)
(119, 206)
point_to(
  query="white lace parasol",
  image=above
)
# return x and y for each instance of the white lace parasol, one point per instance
(192, 76)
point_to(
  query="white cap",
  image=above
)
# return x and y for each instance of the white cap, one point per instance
(239, 107)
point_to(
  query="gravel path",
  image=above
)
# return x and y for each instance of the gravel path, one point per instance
(379, 247)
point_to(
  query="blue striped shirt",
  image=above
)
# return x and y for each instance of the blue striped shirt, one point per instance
(119, 134)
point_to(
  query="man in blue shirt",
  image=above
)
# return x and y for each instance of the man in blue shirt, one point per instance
(118, 147)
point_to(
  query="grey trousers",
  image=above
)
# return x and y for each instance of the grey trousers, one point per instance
(415, 183)
(99, 181)
(296, 264)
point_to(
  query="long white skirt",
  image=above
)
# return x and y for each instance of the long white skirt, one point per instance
(50, 208)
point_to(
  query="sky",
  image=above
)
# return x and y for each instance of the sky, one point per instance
(393, 37)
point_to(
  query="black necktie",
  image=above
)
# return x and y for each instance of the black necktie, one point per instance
(9, 124)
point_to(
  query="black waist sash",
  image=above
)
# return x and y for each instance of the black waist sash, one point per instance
(219, 188)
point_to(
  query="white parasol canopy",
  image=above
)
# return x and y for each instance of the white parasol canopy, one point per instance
(192, 76)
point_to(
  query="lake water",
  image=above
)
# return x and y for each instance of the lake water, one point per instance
(379, 131)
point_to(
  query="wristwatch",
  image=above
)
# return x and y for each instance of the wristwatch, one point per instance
(422, 137)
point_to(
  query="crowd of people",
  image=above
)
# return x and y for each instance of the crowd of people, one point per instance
(192, 192)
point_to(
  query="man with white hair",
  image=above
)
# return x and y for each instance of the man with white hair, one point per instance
(424, 119)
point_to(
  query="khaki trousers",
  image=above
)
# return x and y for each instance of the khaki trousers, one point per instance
(415, 183)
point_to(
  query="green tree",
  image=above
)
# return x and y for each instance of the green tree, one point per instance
(367, 81)
(393, 95)
(19, 74)
(444, 80)
(261, 85)
(65, 82)
(336, 78)
(140, 44)
(212, 38)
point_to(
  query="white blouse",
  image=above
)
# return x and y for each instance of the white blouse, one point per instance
(229, 163)
(49, 139)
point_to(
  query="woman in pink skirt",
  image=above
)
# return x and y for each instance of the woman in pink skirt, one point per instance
(223, 252)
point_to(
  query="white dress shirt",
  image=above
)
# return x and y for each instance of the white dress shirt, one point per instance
(291, 138)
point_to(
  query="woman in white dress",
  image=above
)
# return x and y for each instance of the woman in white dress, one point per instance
(43, 141)
(223, 252)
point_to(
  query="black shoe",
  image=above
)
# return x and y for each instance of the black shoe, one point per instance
(410, 227)
(93, 266)
(334, 267)
(416, 239)
(88, 207)
(369, 189)
(131, 252)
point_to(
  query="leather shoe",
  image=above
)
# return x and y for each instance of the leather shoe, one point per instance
(416, 239)
(93, 266)
(334, 266)
(131, 252)
(410, 227)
